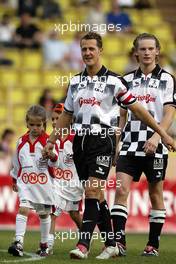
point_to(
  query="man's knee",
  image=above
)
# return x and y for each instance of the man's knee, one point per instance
(92, 192)
(156, 194)
(121, 194)
(122, 190)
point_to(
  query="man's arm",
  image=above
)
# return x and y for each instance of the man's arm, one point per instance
(122, 122)
(152, 143)
(62, 126)
(141, 113)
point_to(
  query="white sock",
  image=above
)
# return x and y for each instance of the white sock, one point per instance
(51, 240)
(21, 222)
(45, 228)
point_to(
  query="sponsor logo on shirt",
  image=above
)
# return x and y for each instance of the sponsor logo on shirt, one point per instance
(99, 87)
(153, 84)
(63, 174)
(147, 98)
(91, 101)
(34, 178)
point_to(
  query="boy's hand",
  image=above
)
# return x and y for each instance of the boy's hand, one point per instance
(14, 187)
(52, 155)
(169, 143)
(46, 151)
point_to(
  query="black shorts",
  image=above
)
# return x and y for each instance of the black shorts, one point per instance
(93, 155)
(153, 168)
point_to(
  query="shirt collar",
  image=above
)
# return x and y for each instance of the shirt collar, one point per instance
(100, 73)
(156, 71)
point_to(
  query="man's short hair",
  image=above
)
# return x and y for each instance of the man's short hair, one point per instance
(94, 35)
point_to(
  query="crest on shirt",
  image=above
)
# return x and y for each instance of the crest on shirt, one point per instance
(82, 85)
(68, 159)
(42, 164)
(136, 84)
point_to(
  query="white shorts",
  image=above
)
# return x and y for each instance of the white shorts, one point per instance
(65, 205)
(41, 209)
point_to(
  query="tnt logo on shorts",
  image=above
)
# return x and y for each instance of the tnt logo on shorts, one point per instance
(103, 161)
(158, 164)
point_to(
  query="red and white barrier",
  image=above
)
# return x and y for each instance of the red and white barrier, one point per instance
(138, 205)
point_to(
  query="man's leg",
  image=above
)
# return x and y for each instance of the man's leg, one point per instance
(119, 211)
(156, 217)
(76, 217)
(90, 216)
(104, 222)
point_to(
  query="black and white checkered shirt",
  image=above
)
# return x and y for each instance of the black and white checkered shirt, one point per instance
(153, 91)
(94, 101)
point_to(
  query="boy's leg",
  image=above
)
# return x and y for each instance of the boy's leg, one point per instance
(155, 172)
(51, 236)
(16, 247)
(52, 233)
(44, 227)
(21, 222)
(156, 218)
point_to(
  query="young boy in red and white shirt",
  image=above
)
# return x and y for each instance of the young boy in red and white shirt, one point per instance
(33, 179)
(68, 188)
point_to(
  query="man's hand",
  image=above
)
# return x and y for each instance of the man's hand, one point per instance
(151, 144)
(47, 150)
(169, 142)
(117, 151)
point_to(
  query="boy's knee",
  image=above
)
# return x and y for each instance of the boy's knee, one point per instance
(24, 211)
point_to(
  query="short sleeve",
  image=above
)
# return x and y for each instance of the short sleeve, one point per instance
(15, 164)
(170, 92)
(68, 105)
(122, 93)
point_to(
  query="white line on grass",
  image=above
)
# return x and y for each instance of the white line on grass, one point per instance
(32, 256)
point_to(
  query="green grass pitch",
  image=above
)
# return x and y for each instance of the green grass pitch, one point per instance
(136, 244)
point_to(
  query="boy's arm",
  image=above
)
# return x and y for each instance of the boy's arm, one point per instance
(141, 113)
(15, 169)
(54, 157)
(152, 143)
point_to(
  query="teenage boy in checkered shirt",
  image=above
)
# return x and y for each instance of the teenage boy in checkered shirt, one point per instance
(142, 149)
